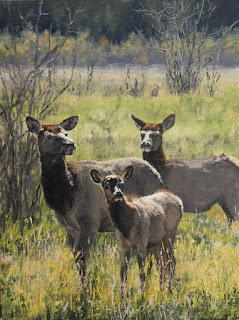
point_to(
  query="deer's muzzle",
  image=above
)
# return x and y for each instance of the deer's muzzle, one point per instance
(117, 194)
(70, 148)
(146, 146)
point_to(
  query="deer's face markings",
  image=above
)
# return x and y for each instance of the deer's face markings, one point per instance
(54, 140)
(150, 140)
(112, 185)
(113, 188)
(151, 133)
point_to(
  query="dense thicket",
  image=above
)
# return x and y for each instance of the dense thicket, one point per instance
(111, 19)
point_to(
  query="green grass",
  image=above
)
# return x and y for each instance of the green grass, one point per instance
(44, 283)
(204, 126)
(38, 276)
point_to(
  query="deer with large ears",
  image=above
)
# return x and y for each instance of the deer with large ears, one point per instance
(78, 203)
(200, 183)
(143, 223)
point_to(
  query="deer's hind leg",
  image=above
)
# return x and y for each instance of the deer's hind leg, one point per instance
(159, 255)
(230, 205)
(150, 261)
(170, 261)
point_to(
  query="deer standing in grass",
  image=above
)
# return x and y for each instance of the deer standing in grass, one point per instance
(143, 223)
(78, 203)
(200, 183)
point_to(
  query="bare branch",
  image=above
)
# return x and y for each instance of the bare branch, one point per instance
(26, 89)
(182, 33)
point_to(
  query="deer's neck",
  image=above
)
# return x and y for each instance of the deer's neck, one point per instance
(59, 183)
(156, 158)
(123, 216)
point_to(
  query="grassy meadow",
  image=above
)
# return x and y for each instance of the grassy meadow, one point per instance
(40, 281)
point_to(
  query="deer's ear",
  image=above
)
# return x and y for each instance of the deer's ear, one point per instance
(69, 123)
(127, 173)
(96, 176)
(33, 125)
(139, 123)
(168, 122)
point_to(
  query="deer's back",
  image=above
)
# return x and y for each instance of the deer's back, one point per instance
(159, 213)
(90, 205)
(200, 182)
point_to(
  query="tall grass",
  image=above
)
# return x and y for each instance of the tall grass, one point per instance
(38, 276)
(44, 283)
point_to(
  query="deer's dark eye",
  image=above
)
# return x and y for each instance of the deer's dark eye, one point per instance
(66, 134)
(142, 135)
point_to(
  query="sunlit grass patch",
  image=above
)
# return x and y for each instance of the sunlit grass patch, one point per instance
(45, 284)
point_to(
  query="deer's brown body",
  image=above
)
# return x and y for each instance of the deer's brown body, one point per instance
(144, 223)
(200, 183)
(78, 203)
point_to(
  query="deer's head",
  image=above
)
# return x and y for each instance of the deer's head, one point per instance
(112, 185)
(151, 133)
(52, 139)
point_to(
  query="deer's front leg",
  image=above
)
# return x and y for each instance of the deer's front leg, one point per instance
(81, 248)
(125, 257)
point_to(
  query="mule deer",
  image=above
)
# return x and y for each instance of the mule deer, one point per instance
(200, 183)
(78, 203)
(143, 223)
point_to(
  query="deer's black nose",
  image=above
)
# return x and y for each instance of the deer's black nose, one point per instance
(117, 193)
(145, 144)
(69, 147)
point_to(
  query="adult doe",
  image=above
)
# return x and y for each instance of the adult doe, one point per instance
(142, 223)
(78, 203)
(200, 183)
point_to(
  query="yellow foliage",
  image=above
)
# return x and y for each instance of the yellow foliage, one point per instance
(69, 45)
(104, 41)
(22, 49)
(83, 36)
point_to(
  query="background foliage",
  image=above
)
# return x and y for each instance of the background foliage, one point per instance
(85, 50)
(114, 20)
